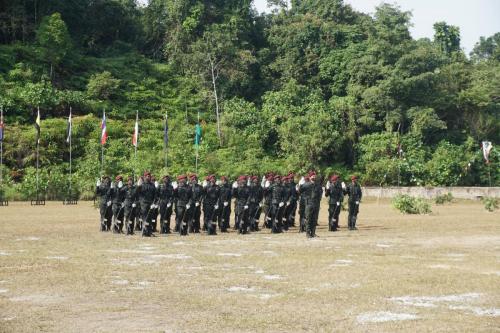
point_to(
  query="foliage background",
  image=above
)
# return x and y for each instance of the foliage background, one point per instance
(315, 85)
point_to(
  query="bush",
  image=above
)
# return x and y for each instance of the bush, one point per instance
(490, 204)
(444, 198)
(411, 205)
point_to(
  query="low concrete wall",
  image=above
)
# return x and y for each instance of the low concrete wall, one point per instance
(431, 192)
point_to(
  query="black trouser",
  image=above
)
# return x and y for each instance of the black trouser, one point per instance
(154, 218)
(312, 212)
(224, 217)
(194, 221)
(210, 218)
(106, 216)
(290, 213)
(267, 215)
(277, 218)
(165, 216)
(242, 218)
(181, 219)
(302, 215)
(254, 215)
(117, 217)
(146, 213)
(333, 215)
(353, 214)
(129, 213)
(138, 217)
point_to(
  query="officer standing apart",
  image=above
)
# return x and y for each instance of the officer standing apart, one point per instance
(146, 191)
(313, 201)
(355, 194)
(336, 195)
(103, 190)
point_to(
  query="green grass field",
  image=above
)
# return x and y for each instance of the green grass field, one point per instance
(432, 273)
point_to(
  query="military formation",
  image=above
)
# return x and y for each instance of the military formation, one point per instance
(138, 206)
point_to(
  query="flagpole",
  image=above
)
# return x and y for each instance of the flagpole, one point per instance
(37, 160)
(165, 146)
(197, 144)
(69, 138)
(102, 146)
(137, 140)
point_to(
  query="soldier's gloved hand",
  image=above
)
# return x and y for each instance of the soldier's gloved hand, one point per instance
(328, 185)
(120, 184)
(216, 207)
(140, 181)
(123, 204)
(133, 205)
(196, 204)
(175, 185)
(226, 203)
(281, 204)
(113, 185)
(188, 206)
(246, 207)
(343, 185)
(98, 183)
(338, 203)
(235, 184)
(357, 202)
(288, 203)
(260, 205)
(156, 184)
(168, 205)
(108, 203)
(267, 184)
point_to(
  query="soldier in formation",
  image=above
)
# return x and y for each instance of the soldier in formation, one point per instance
(275, 196)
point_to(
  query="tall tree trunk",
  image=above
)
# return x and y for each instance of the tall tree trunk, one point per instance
(212, 70)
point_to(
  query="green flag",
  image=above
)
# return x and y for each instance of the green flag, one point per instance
(197, 134)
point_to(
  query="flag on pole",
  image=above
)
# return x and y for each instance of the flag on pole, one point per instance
(69, 127)
(197, 138)
(135, 137)
(37, 127)
(165, 130)
(487, 146)
(104, 134)
(2, 126)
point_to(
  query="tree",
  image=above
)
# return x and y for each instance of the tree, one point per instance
(102, 86)
(487, 48)
(447, 37)
(54, 40)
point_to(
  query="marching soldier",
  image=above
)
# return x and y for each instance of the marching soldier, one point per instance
(166, 196)
(355, 194)
(277, 205)
(292, 206)
(302, 189)
(313, 193)
(156, 207)
(242, 195)
(211, 205)
(267, 200)
(183, 201)
(255, 203)
(103, 190)
(146, 191)
(336, 195)
(287, 193)
(197, 197)
(117, 199)
(130, 210)
(225, 202)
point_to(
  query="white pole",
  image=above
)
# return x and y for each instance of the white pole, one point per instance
(69, 138)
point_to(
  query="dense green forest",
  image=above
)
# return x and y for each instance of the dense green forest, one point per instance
(313, 85)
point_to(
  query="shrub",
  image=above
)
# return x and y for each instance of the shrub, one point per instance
(444, 198)
(490, 204)
(411, 205)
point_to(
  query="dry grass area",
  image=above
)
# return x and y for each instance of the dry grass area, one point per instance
(436, 273)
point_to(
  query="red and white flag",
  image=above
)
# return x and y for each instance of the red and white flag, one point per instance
(135, 137)
(104, 133)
